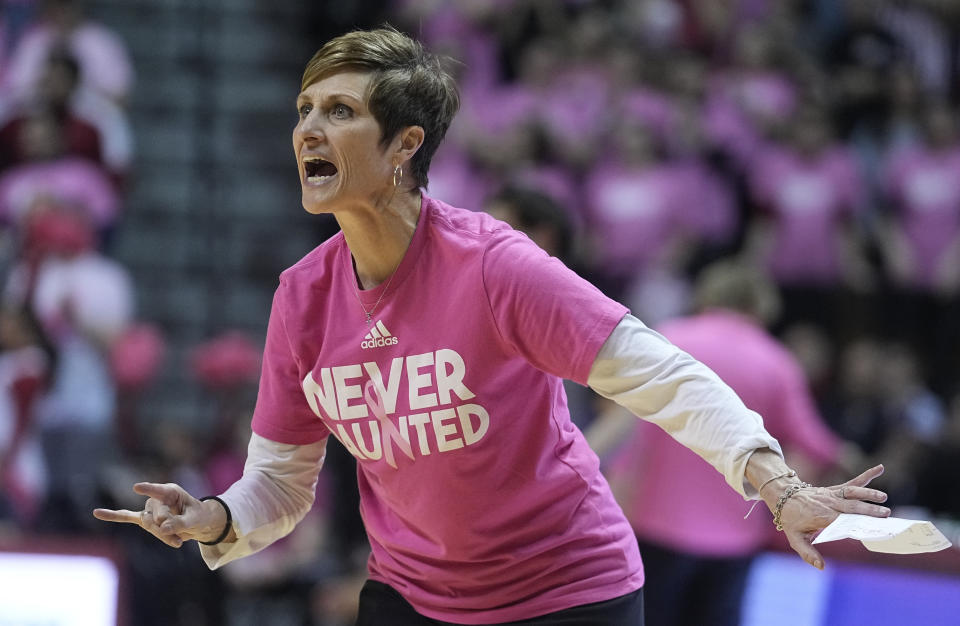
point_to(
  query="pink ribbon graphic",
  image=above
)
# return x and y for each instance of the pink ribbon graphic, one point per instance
(389, 432)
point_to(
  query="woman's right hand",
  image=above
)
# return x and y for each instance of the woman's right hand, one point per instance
(172, 515)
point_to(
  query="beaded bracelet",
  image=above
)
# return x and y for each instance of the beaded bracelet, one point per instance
(786, 495)
(790, 474)
(226, 526)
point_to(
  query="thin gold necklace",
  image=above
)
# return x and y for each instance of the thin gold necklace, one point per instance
(370, 313)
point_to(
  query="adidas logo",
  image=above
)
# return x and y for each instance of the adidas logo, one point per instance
(378, 337)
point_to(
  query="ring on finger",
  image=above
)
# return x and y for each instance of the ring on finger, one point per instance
(843, 492)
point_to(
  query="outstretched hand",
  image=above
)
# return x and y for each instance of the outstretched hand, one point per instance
(171, 515)
(812, 509)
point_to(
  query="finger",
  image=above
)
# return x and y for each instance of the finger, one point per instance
(863, 493)
(158, 511)
(800, 543)
(864, 479)
(166, 493)
(162, 515)
(179, 525)
(121, 516)
(863, 508)
(150, 525)
(187, 525)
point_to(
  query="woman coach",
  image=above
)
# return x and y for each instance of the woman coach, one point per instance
(482, 502)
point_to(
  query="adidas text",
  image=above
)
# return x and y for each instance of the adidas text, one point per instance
(379, 343)
(378, 337)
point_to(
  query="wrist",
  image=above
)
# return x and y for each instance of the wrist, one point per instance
(766, 469)
(790, 491)
(776, 483)
(220, 526)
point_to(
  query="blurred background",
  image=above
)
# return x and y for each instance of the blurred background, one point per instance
(149, 200)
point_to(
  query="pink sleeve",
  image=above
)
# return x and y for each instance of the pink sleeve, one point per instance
(800, 424)
(105, 58)
(26, 61)
(282, 413)
(547, 313)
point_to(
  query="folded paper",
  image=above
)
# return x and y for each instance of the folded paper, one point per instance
(892, 535)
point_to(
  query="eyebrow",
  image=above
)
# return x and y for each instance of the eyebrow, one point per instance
(301, 99)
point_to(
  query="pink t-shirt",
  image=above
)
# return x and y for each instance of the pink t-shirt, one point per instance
(482, 502)
(104, 61)
(808, 200)
(636, 213)
(675, 498)
(71, 180)
(923, 188)
(496, 112)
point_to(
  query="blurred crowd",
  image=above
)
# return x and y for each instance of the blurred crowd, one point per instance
(640, 141)
(75, 354)
(816, 141)
(67, 307)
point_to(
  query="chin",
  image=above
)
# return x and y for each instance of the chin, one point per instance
(317, 206)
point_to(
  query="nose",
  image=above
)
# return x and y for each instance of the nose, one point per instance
(309, 129)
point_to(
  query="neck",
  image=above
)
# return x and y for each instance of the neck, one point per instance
(379, 236)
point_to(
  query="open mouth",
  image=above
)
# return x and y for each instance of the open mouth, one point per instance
(318, 170)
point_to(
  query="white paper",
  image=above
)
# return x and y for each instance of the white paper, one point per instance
(892, 535)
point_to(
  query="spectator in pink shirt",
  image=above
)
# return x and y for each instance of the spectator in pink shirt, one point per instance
(809, 196)
(921, 240)
(920, 187)
(463, 31)
(750, 99)
(711, 194)
(105, 65)
(573, 125)
(636, 210)
(49, 173)
(25, 363)
(79, 137)
(696, 545)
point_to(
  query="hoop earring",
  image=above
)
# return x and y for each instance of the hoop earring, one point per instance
(397, 176)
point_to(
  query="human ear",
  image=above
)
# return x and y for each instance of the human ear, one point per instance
(411, 138)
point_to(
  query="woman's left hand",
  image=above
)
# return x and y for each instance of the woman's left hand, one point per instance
(811, 509)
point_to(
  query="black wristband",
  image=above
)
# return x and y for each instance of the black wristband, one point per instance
(226, 527)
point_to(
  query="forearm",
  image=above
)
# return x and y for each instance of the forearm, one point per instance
(275, 492)
(642, 371)
(217, 516)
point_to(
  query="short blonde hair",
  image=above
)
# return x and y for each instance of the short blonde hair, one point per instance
(736, 286)
(409, 86)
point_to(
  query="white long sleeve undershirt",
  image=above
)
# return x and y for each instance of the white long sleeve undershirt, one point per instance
(640, 370)
(275, 492)
(636, 367)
